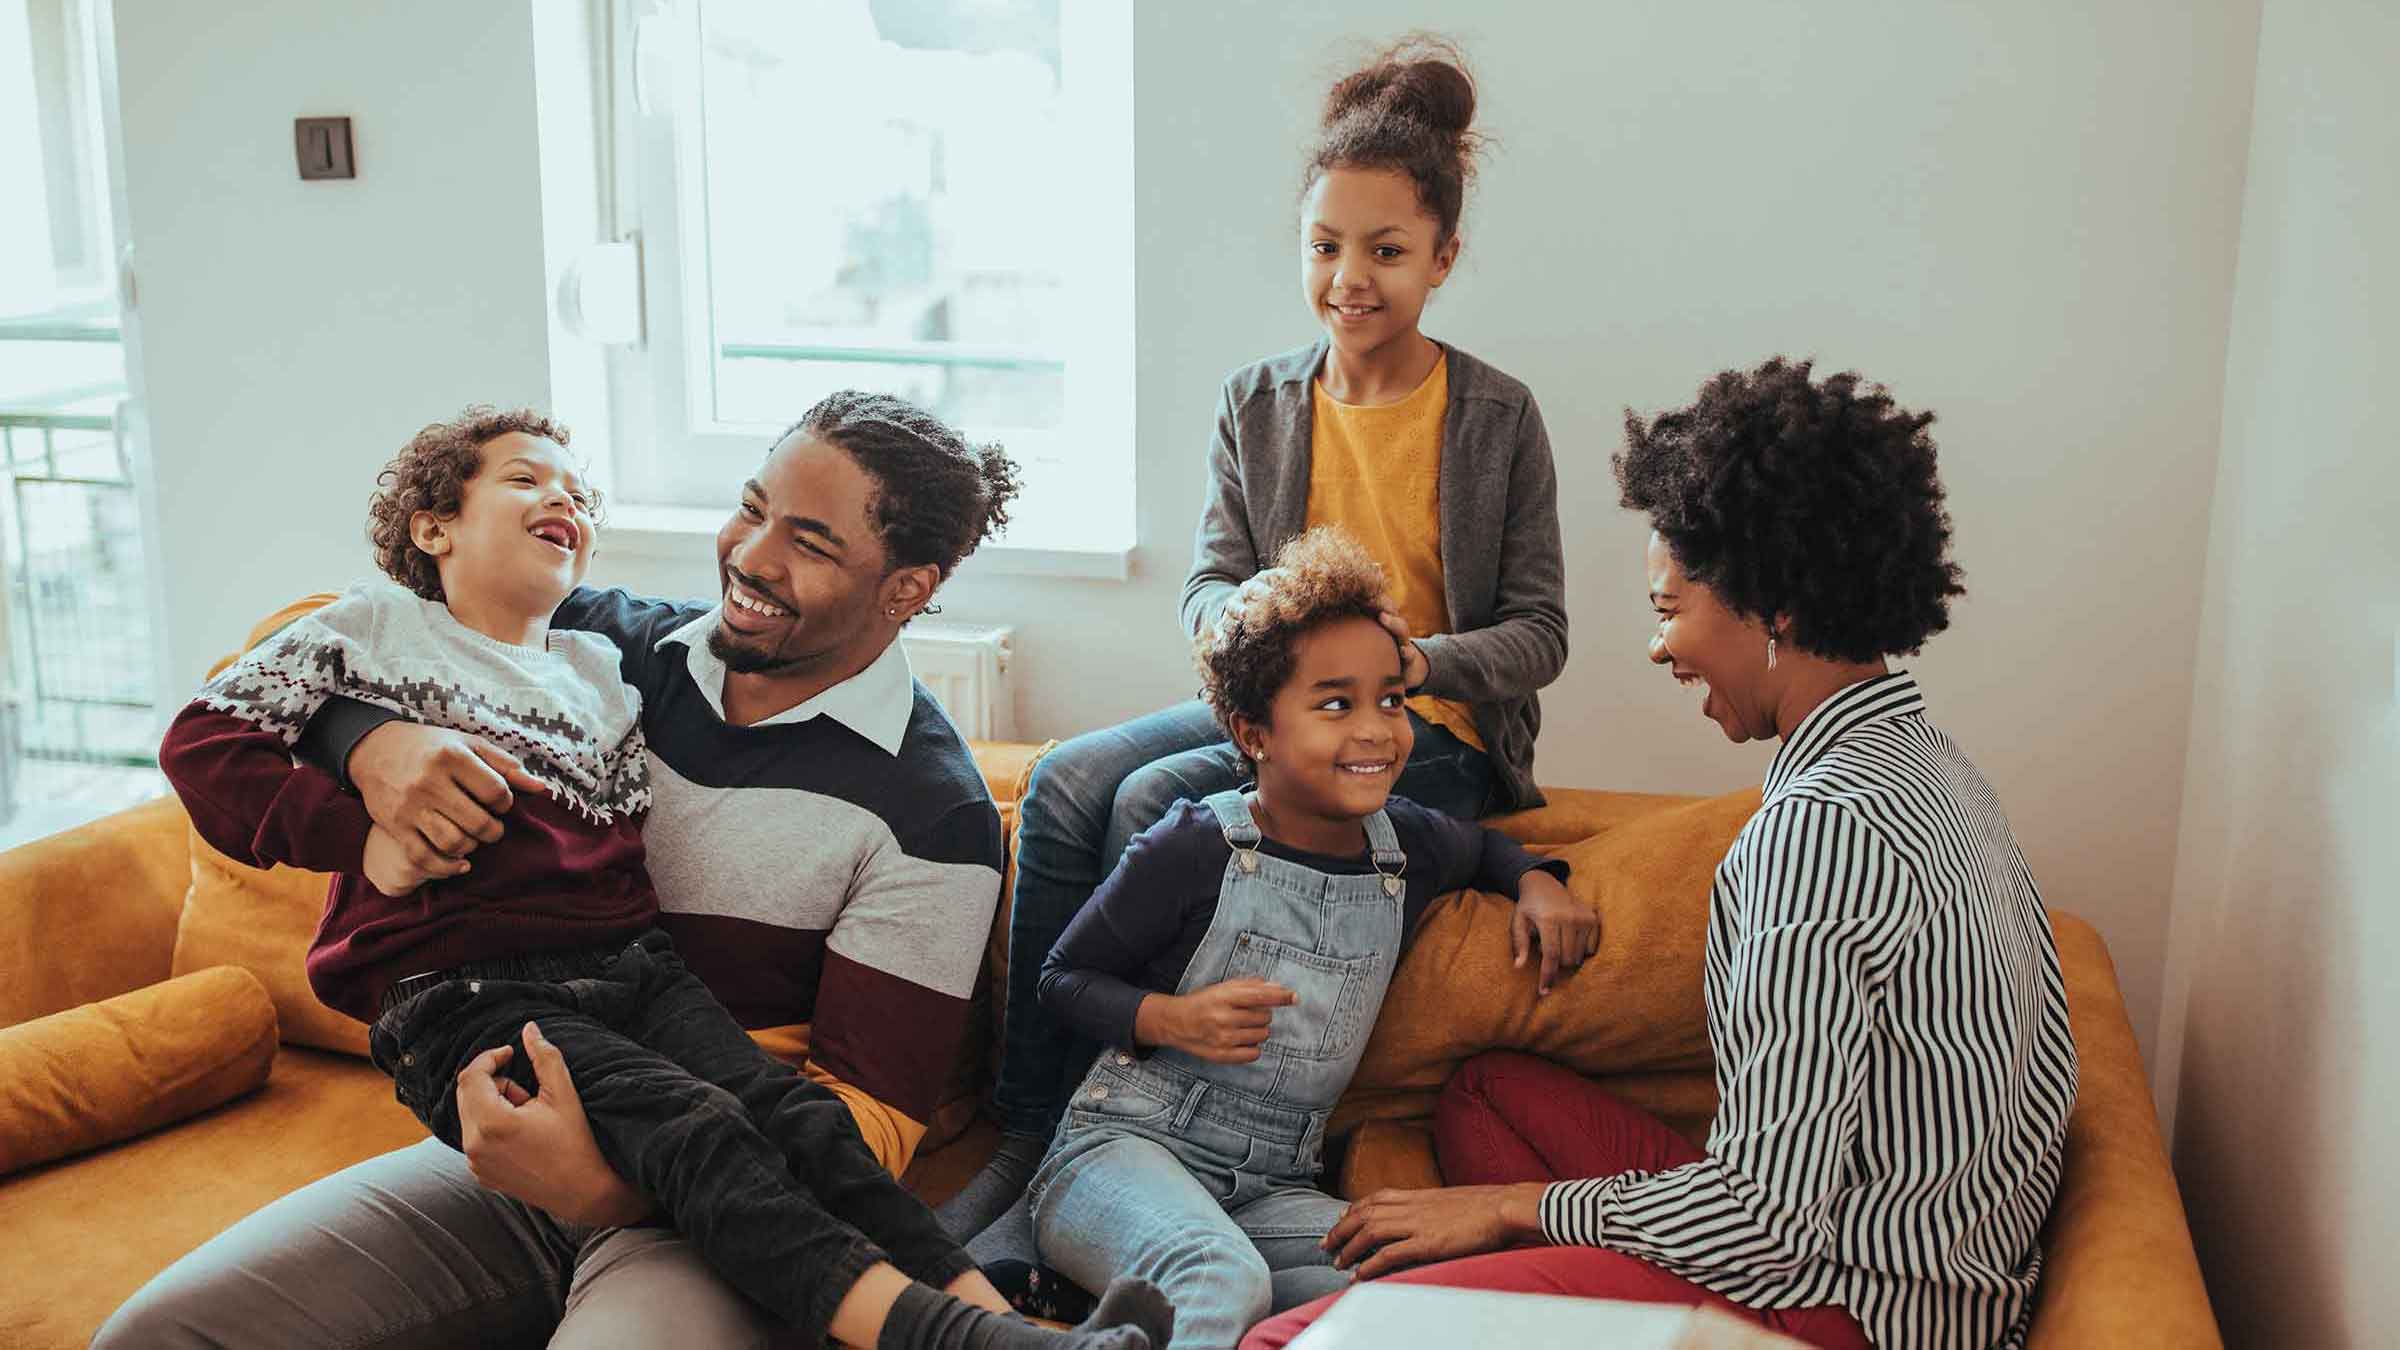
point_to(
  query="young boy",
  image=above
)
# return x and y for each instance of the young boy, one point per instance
(485, 526)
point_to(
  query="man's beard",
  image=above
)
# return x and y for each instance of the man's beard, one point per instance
(742, 660)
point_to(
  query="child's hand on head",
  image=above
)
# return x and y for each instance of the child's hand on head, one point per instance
(1225, 1023)
(1566, 929)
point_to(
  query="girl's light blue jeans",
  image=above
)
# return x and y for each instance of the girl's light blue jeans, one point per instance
(1130, 1206)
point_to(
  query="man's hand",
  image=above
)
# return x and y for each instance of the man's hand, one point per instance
(1391, 1230)
(438, 793)
(1566, 929)
(1414, 668)
(388, 867)
(1225, 1023)
(539, 1148)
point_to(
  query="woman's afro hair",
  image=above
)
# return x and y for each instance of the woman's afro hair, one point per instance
(1813, 501)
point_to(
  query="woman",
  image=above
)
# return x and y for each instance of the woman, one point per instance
(1893, 1061)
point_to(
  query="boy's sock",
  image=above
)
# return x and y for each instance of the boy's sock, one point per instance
(993, 1189)
(1132, 1315)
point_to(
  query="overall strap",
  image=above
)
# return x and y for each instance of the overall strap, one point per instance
(1390, 861)
(1232, 810)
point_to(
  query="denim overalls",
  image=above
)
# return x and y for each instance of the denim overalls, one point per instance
(1200, 1177)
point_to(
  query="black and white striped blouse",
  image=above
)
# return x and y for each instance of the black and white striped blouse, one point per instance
(1893, 1061)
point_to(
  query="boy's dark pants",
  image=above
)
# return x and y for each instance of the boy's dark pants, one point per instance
(761, 1168)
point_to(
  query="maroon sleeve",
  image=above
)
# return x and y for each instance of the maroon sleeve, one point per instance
(252, 803)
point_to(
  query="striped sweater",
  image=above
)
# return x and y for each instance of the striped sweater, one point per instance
(1893, 1060)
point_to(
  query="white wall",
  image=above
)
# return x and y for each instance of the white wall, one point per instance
(291, 335)
(2286, 934)
(2020, 216)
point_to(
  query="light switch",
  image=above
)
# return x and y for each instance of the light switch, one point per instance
(323, 144)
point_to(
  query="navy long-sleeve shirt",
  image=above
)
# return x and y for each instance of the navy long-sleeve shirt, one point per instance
(1140, 928)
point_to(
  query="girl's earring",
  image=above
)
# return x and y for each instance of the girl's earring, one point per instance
(1770, 653)
(894, 613)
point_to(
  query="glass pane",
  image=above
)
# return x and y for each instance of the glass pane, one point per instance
(54, 230)
(885, 207)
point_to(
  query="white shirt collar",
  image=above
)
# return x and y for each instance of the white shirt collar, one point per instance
(1880, 699)
(876, 702)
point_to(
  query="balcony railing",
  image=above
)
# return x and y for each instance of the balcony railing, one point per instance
(77, 642)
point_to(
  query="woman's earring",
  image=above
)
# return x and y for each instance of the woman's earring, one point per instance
(894, 613)
(1770, 653)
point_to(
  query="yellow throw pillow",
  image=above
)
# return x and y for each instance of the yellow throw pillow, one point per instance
(263, 921)
(107, 1071)
(1635, 1008)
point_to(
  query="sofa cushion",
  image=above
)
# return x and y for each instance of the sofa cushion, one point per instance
(2118, 1223)
(106, 1071)
(125, 1212)
(90, 913)
(263, 921)
(1635, 1008)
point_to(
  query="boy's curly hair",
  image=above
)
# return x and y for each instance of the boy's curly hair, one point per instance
(1323, 576)
(430, 474)
(1817, 501)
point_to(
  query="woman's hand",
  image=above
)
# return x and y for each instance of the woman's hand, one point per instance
(1414, 668)
(1225, 1023)
(539, 1148)
(1392, 1230)
(1566, 929)
(438, 793)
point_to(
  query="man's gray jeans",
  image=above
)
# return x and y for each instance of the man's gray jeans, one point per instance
(408, 1250)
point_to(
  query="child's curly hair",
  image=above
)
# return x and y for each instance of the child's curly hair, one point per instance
(1319, 578)
(430, 474)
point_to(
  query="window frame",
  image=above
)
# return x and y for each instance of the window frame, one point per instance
(662, 387)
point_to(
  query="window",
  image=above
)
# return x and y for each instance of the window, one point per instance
(54, 238)
(927, 197)
(78, 734)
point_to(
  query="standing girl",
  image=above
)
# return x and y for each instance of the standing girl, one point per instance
(1437, 461)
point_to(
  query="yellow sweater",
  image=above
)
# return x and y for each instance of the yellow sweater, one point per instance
(1375, 470)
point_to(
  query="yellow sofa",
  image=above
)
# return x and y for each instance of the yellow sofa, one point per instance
(95, 913)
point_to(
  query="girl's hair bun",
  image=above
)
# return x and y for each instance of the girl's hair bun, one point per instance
(1421, 76)
(1408, 110)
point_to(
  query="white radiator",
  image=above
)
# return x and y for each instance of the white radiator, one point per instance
(966, 667)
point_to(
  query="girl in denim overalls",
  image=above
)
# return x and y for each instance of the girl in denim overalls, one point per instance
(1235, 961)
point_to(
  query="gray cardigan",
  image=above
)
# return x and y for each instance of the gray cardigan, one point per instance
(1503, 569)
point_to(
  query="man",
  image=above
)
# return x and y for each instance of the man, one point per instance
(827, 859)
